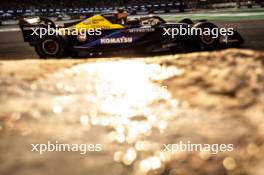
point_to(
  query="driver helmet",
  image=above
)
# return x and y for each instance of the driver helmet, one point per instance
(121, 15)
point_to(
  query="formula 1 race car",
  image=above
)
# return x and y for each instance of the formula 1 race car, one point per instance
(103, 33)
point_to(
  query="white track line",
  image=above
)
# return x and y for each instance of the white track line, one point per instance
(218, 14)
(9, 30)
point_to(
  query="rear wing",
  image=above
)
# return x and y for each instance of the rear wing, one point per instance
(29, 25)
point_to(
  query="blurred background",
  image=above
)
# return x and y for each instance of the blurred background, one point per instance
(11, 10)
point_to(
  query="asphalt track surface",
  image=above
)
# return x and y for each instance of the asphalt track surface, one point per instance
(13, 47)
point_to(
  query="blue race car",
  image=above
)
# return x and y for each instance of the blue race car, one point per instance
(107, 34)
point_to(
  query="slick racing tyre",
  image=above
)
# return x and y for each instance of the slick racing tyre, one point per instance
(208, 42)
(51, 47)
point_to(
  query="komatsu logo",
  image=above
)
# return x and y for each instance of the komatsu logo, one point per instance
(116, 40)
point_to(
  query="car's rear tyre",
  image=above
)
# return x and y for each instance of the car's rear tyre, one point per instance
(208, 42)
(51, 47)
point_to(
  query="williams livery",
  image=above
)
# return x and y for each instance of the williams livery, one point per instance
(105, 34)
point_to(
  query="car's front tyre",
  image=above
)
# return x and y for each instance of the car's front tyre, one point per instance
(207, 42)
